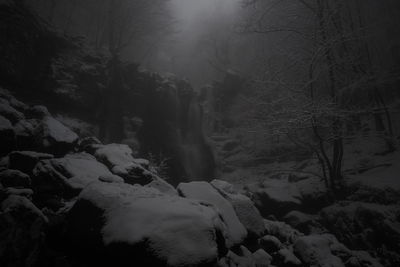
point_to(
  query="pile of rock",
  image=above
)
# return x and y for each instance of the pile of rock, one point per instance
(67, 201)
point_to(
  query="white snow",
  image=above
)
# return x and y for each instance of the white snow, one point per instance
(205, 192)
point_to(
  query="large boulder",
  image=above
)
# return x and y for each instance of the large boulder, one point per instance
(21, 232)
(276, 197)
(204, 191)
(66, 177)
(280, 196)
(55, 138)
(245, 210)
(125, 225)
(7, 136)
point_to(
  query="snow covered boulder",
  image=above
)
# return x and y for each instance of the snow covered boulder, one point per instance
(67, 176)
(7, 136)
(270, 243)
(25, 161)
(14, 178)
(131, 225)
(276, 197)
(53, 137)
(204, 191)
(119, 159)
(284, 232)
(22, 232)
(262, 258)
(303, 222)
(315, 250)
(245, 210)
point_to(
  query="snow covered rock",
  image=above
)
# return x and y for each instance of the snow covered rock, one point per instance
(7, 136)
(262, 258)
(25, 161)
(21, 230)
(280, 196)
(242, 258)
(303, 222)
(364, 225)
(25, 134)
(284, 232)
(245, 210)
(270, 243)
(204, 191)
(276, 197)
(121, 224)
(119, 159)
(69, 175)
(7, 111)
(285, 258)
(315, 250)
(54, 137)
(14, 178)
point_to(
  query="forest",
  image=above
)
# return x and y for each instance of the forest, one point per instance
(200, 133)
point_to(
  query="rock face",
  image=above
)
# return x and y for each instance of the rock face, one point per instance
(145, 226)
(203, 191)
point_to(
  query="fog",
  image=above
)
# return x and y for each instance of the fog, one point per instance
(198, 26)
(199, 133)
